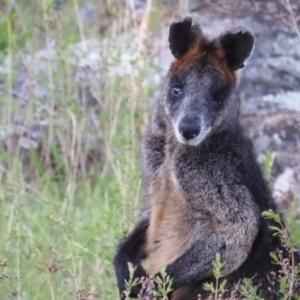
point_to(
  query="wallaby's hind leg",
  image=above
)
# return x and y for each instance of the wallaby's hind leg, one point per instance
(130, 251)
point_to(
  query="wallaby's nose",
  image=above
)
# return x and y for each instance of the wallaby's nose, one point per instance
(189, 130)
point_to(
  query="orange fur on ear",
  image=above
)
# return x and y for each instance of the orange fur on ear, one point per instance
(219, 53)
(189, 57)
(211, 49)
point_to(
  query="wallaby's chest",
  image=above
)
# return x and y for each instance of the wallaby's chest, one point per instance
(169, 234)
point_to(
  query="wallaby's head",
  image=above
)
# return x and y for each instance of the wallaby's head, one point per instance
(199, 94)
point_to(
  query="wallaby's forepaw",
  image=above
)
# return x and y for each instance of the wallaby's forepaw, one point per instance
(183, 35)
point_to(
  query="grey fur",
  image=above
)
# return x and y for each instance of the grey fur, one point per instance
(228, 219)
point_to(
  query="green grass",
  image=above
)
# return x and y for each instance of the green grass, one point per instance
(61, 220)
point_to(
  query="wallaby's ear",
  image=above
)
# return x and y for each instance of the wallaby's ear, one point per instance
(182, 36)
(237, 47)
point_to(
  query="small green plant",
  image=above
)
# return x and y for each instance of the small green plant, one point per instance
(164, 285)
(246, 289)
(131, 282)
(157, 288)
(217, 289)
(268, 164)
(289, 273)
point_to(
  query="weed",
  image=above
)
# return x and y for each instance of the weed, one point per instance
(217, 289)
(289, 274)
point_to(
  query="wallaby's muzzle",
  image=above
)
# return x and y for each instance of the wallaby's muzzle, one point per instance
(192, 130)
(189, 128)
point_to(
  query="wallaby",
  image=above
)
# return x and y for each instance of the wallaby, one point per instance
(203, 187)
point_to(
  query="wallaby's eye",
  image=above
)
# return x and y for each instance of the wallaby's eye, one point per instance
(177, 90)
(220, 95)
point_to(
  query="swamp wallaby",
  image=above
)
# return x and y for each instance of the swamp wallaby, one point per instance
(203, 187)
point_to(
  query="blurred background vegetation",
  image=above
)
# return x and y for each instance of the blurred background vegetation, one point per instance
(77, 81)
